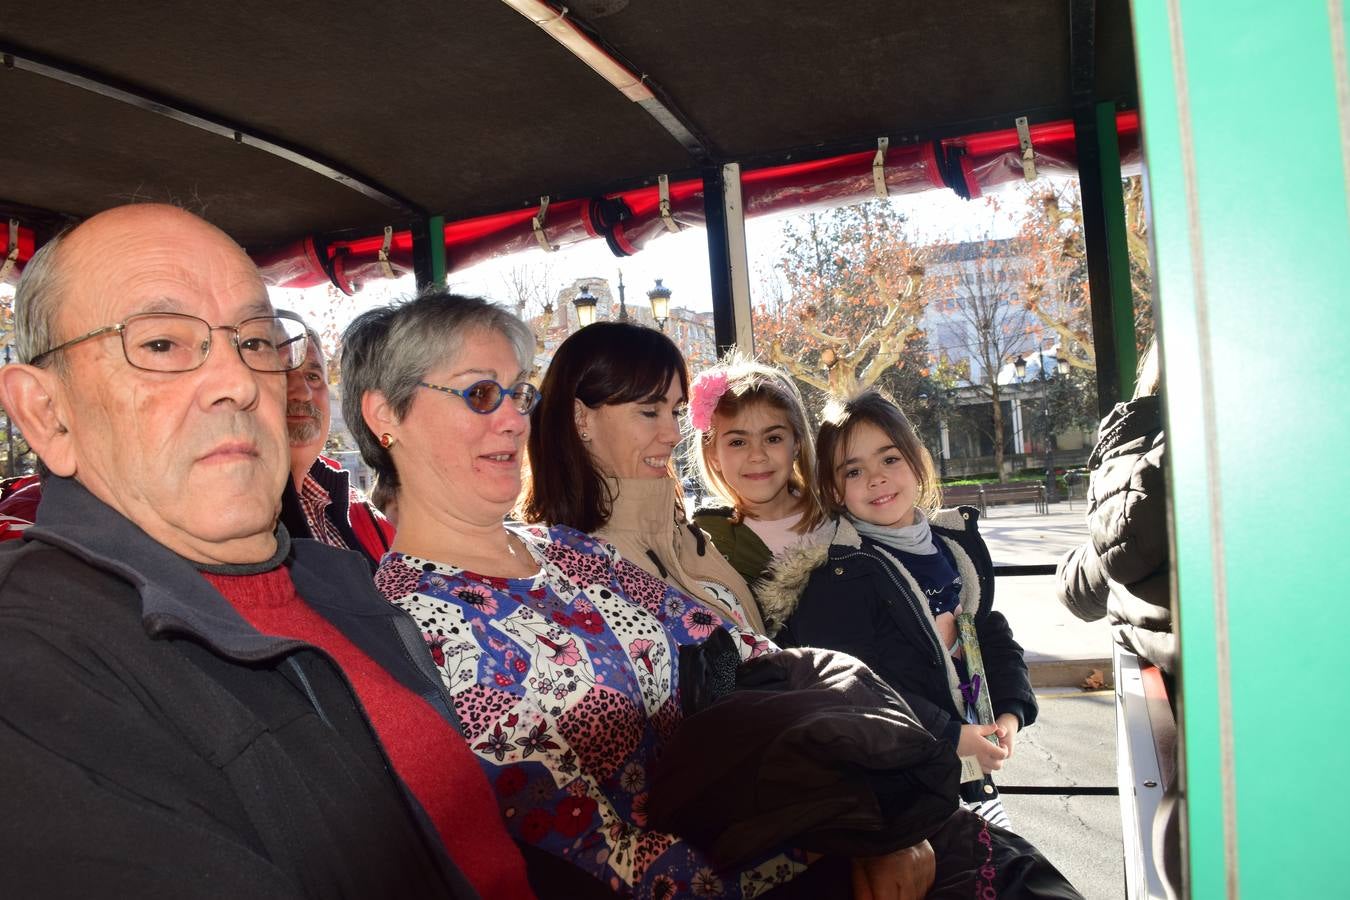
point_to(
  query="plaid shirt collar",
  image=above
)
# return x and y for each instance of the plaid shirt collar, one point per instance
(315, 500)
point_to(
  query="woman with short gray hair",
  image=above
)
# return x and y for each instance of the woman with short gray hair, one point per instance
(389, 350)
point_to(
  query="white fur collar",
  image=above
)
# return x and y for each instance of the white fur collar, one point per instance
(779, 591)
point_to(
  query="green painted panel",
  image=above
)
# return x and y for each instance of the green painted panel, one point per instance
(1166, 186)
(1254, 326)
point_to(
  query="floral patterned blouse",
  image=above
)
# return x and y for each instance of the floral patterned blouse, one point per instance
(566, 685)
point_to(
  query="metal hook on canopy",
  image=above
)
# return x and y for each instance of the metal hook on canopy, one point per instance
(879, 168)
(12, 254)
(538, 223)
(1028, 152)
(385, 267)
(663, 189)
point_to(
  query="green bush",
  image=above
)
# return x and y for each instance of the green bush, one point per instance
(992, 479)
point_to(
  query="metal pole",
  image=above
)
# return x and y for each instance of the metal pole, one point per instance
(1108, 255)
(1049, 432)
(9, 433)
(719, 269)
(429, 252)
(737, 257)
(728, 267)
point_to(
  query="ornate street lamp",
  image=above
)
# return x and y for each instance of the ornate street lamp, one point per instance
(660, 299)
(1020, 367)
(585, 304)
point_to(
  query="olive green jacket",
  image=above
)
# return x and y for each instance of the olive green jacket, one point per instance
(736, 541)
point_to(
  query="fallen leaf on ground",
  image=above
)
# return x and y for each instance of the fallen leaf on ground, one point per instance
(1094, 682)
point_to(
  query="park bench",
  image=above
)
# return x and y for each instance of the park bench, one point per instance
(963, 494)
(982, 496)
(1015, 493)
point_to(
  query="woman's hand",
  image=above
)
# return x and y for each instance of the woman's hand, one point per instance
(975, 742)
(1007, 732)
(903, 875)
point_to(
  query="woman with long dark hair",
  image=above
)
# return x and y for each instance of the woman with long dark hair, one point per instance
(602, 460)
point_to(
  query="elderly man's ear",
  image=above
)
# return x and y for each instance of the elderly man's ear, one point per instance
(33, 398)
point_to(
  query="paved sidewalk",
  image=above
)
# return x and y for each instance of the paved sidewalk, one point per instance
(1072, 745)
(1061, 650)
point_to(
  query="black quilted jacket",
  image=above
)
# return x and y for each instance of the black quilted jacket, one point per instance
(1122, 570)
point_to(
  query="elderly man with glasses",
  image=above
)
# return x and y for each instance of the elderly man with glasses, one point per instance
(192, 705)
(318, 502)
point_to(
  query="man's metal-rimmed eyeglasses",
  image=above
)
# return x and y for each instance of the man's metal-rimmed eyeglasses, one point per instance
(177, 342)
(483, 397)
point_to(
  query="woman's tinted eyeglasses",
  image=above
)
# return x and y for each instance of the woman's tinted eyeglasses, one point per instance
(485, 396)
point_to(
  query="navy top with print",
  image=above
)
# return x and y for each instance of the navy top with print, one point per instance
(936, 574)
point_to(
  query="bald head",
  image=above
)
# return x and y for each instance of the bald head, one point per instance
(197, 459)
(39, 296)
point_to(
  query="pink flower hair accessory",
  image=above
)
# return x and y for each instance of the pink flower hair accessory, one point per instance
(704, 392)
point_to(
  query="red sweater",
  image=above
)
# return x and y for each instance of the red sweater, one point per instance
(429, 756)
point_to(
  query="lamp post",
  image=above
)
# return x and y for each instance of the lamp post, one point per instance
(936, 418)
(585, 303)
(623, 308)
(1049, 436)
(9, 433)
(660, 299)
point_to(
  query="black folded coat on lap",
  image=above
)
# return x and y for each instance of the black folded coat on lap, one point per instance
(809, 750)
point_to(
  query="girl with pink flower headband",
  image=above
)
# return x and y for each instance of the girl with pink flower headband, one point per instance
(755, 452)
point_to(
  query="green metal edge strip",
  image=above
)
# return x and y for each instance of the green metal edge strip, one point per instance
(1168, 185)
(1338, 17)
(1118, 249)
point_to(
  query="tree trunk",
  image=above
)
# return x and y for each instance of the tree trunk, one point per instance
(998, 430)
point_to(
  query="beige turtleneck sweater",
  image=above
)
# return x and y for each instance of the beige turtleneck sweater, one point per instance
(643, 527)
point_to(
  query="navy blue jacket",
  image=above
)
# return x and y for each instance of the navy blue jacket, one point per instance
(848, 597)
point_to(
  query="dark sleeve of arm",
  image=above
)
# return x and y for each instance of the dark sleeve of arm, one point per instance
(1080, 583)
(1006, 668)
(853, 627)
(936, 720)
(99, 798)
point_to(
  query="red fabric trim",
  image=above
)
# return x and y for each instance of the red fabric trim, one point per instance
(586, 221)
(968, 175)
(766, 190)
(622, 240)
(930, 162)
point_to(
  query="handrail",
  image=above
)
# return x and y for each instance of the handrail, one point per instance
(1017, 570)
(1053, 790)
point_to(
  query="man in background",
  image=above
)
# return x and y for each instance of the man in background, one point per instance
(319, 502)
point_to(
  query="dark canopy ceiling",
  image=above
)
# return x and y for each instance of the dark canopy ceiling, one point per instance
(462, 107)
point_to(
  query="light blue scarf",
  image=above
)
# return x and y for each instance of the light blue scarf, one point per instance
(916, 538)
